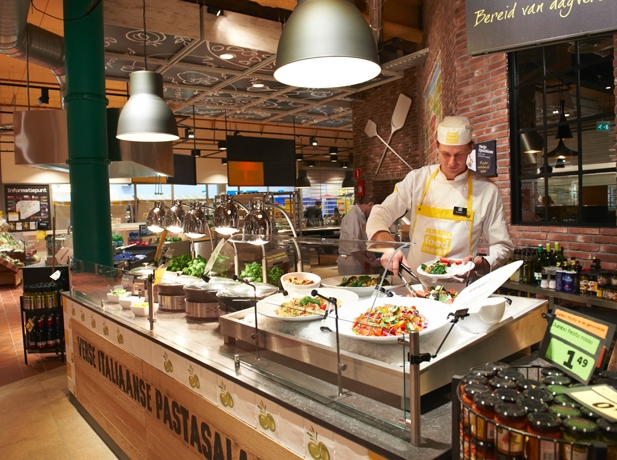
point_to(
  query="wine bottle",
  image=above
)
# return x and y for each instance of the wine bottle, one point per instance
(537, 266)
(51, 340)
(41, 336)
(32, 336)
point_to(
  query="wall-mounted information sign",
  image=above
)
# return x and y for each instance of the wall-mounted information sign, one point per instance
(26, 206)
(575, 343)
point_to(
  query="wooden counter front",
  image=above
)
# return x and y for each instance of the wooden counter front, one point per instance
(150, 415)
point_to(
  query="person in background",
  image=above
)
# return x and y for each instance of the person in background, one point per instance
(450, 208)
(354, 257)
(313, 215)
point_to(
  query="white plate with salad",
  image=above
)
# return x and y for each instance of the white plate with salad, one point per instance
(390, 318)
(444, 268)
(363, 285)
(303, 308)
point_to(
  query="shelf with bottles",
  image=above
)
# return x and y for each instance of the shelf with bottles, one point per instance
(42, 322)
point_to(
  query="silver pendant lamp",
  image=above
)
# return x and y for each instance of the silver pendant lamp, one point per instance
(326, 44)
(146, 117)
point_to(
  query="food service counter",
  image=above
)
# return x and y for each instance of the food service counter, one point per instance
(187, 390)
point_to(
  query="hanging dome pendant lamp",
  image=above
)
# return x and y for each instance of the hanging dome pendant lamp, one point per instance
(146, 117)
(326, 44)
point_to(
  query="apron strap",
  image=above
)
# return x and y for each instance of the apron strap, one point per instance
(428, 183)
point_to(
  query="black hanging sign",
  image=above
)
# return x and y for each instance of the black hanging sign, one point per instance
(501, 25)
(486, 162)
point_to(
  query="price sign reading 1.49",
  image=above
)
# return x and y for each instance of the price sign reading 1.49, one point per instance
(577, 362)
(575, 343)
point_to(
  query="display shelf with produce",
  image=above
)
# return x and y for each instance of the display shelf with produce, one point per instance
(41, 320)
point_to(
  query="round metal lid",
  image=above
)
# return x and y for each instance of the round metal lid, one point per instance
(241, 290)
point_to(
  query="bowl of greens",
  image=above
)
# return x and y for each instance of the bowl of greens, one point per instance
(254, 273)
(115, 295)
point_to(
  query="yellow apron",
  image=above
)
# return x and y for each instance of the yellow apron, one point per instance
(441, 233)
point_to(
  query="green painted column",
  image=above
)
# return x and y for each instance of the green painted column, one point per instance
(85, 104)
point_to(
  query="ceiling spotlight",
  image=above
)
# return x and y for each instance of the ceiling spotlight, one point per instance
(196, 152)
(224, 161)
(345, 165)
(222, 145)
(227, 56)
(608, 87)
(313, 141)
(214, 10)
(310, 164)
(333, 150)
(188, 134)
(299, 157)
(44, 99)
(333, 158)
(257, 85)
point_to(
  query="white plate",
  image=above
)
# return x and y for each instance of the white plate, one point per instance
(451, 271)
(268, 305)
(435, 312)
(334, 282)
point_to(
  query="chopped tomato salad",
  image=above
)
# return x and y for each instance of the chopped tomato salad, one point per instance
(389, 320)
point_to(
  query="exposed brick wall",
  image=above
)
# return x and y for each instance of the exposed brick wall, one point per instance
(476, 87)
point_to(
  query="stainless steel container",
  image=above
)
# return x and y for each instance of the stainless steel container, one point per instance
(201, 301)
(172, 303)
(202, 311)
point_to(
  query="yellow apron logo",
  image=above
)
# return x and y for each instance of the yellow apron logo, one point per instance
(437, 242)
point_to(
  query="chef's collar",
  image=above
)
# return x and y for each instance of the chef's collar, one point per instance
(460, 177)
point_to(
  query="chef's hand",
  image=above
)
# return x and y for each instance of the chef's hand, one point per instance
(481, 266)
(387, 252)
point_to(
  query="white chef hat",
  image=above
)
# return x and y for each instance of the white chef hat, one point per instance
(454, 131)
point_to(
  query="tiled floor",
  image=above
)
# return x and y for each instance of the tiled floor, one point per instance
(37, 419)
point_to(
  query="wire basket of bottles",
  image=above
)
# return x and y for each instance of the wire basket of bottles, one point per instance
(515, 413)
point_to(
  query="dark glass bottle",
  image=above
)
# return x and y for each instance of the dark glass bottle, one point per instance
(32, 336)
(41, 336)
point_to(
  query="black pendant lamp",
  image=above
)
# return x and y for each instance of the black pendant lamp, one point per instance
(563, 130)
(302, 181)
(348, 181)
(532, 142)
(326, 44)
(146, 117)
(222, 145)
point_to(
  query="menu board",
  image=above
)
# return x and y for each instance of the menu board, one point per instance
(26, 206)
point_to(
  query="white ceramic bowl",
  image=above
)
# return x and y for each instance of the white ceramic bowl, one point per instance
(126, 302)
(142, 311)
(116, 298)
(303, 289)
(489, 313)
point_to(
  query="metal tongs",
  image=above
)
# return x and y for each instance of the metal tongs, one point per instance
(405, 268)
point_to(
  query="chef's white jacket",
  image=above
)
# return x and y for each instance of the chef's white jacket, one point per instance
(489, 215)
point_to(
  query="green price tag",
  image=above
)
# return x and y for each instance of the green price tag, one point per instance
(575, 336)
(577, 362)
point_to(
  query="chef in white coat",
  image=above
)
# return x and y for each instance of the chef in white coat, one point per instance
(450, 208)
(354, 257)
